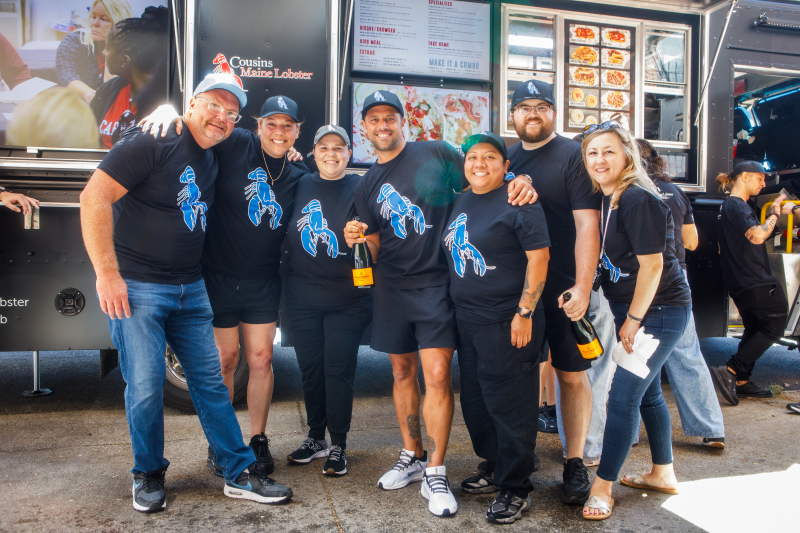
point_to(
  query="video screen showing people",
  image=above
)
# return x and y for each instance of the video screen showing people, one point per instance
(78, 73)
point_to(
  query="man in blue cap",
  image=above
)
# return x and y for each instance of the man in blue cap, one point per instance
(143, 215)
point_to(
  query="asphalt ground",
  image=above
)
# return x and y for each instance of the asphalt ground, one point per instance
(65, 461)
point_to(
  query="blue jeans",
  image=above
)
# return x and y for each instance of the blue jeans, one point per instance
(180, 315)
(630, 393)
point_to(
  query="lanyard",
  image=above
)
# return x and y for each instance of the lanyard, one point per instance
(605, 230)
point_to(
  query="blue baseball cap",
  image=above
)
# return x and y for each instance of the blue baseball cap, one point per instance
(531, 89)
(280, 105)
(382, 98)
(222, 81)
(486, 137)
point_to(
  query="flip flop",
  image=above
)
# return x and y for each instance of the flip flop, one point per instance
(638, 483)
(596, 503)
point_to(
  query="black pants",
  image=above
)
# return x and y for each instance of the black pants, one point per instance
(500, 398)
(326, 342)
(763, 311)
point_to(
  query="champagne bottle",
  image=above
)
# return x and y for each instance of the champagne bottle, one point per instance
(585, 336)
(362, 264)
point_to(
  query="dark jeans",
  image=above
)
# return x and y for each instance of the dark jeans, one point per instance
(630, 393)
(326, 342)
(500, 398)
(763, 311)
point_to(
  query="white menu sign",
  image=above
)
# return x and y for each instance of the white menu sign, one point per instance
(445, 38)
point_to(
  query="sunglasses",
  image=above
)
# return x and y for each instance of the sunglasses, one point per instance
(607, 125)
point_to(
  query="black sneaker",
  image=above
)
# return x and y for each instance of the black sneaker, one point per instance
(576, 482)
(213, 464)
(310, 450)
(794, 407)
(712, 442)
(336, 463)
(725, 382)
(148, 492)
(548, 423)
(261, 489)
(751, 390)
(483, 483)
(265, 464)
(508, 508)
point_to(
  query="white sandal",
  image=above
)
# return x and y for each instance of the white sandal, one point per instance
(596, 503)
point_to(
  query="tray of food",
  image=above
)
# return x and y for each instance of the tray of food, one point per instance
(583, 97)
(582, 34)
(580, 118)
(611, 57)
(623, 119)
(584, 55)
(616, 79)
(618, 100)
(616, 37)
(584, 76)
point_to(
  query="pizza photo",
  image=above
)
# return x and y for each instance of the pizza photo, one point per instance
(423, 117)
(616, 79)
(583, 76)
(617, 38)
(611, 57)
(579, 33)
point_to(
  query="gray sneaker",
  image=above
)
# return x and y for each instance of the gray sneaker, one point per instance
(148, 492)
(508, 508)
(261, 489)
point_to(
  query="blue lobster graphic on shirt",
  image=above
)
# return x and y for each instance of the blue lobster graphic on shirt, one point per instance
(314, 227)
(461, 249)
(614, 273)
(262, 199)
(189, 201)
(397, 208)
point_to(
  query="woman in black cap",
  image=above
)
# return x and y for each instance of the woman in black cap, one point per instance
(747, 275)
(498, 257)
(328, 314)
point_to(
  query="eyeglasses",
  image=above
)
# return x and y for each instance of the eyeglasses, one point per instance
(607, 125)
(526, 109)
(218, 110)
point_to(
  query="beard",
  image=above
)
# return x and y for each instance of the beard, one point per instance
(545, 131)
(392, 145)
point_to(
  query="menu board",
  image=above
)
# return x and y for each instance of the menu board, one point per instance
(442, 38)
(600, 75)
(450, 115)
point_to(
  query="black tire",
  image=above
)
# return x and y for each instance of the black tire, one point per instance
(176, 391)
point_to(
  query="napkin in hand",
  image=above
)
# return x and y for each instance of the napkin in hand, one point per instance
(644, 346)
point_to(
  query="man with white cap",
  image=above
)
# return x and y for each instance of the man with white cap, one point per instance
(143, 215)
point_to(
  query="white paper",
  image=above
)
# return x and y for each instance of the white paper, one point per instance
(644, 345)
(25, 90)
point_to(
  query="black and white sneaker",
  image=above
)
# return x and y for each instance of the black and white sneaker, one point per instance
(336, 463)
(483, 483)
(794, 407)
(714, 442)
(308, 451)
(148, 492)
(258, 488)
(265, 464)
(407, 469)
(508, 508)
(213, 464)
(725, 381)
(548, 420)
(576, 486)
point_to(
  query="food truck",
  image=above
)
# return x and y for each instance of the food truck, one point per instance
(709, 83)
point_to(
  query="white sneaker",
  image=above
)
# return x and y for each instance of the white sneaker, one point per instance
(407, 470)
(436, 489)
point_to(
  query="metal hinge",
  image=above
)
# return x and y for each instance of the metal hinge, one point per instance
(32, 219)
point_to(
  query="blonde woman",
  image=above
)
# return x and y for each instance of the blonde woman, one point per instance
(80, 64)
(645, 287)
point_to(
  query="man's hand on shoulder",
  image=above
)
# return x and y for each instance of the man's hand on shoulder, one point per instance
(521, 191)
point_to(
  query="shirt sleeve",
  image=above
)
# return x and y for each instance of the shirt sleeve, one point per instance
(132, 159)
(455, 163)
(530, 226)
(363, 209)
(688, 217)
(645, 222)
(579, 187)
(740, 218)
(68, 58)
(12, 68)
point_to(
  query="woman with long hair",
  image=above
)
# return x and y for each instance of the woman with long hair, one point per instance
(648, 294)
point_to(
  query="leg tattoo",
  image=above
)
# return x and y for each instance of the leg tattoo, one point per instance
(413, 426)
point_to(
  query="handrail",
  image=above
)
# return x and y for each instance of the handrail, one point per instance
(789, 230)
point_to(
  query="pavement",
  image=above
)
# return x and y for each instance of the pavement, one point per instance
(65, 461)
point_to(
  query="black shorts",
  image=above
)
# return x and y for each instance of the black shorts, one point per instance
(405, 320)
(234, 300)
(558, 331)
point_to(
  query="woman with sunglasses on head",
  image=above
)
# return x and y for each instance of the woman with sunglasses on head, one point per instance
(645, 287)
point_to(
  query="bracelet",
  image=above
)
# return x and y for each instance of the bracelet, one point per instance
(776, 214)
(633, 318)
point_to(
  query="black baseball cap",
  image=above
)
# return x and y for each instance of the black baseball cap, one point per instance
(382, 98)
(534, 88)
(749, 166)
(280, 105)
(486, 137)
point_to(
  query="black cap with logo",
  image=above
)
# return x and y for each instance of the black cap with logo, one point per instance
(486, 137)
(533, 89)
(382, 98)
(749, 166)
(280, 105)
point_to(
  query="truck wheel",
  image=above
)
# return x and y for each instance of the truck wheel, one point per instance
(176, 391)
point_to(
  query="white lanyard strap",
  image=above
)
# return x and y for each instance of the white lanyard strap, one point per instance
(605, 230)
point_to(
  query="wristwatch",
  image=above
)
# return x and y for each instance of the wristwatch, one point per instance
(524, 312)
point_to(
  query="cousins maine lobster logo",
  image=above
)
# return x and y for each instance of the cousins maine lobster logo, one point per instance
(240, 67)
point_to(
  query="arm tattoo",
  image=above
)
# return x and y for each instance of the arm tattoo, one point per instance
(530, 298)
(766, 227)
(413, 426)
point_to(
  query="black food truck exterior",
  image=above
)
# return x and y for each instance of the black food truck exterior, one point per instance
(707, 83)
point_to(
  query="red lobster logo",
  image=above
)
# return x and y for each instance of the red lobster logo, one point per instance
(223, 67)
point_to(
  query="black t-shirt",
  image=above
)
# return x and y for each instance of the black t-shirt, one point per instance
(160, 224)
(744, 265)
(320, 264)
(681, 208)
(409, 200)
(487, 233)
(641, 225)
(254, 204)
(560, 178)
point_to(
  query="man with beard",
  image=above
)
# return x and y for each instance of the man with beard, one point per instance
(573, 220)
(404, 202)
